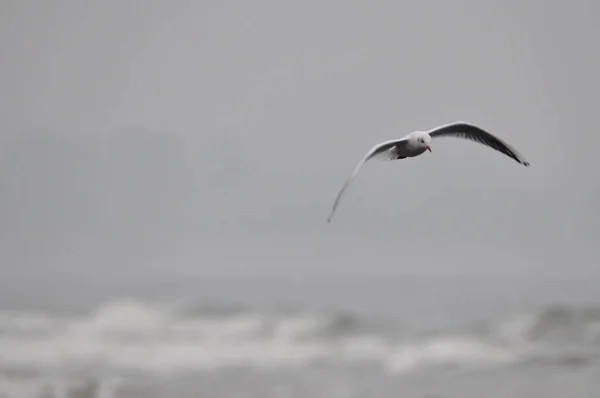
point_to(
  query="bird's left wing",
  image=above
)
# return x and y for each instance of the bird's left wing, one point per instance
(471, 132)
(383, 151)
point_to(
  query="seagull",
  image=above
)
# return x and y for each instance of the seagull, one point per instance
(417, 142)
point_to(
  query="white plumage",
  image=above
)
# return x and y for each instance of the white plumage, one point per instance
(417, 142)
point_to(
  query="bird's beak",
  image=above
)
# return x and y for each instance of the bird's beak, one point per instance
(428, 148)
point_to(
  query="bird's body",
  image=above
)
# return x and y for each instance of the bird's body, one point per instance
(410, 146)
(417, 142)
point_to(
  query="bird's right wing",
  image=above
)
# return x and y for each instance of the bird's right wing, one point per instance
(383, 151)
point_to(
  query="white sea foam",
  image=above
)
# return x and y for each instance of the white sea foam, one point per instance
(449, 352)
(145, 338)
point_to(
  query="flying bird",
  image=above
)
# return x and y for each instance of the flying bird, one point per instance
(417, 142)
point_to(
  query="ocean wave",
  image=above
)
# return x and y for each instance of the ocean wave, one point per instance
(144, 337)
(450, 352)
(557, 324)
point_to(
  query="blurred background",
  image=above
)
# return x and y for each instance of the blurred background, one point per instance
(167, 168)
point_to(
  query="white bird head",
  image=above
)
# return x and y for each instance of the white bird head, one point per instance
(424, 140)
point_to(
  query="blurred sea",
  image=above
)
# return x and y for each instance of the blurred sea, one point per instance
(263, 338)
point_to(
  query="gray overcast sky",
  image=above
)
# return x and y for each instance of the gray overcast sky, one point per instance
(194, 138)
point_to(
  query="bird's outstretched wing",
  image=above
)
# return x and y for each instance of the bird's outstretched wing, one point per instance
(469, 131)
(383, 151)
